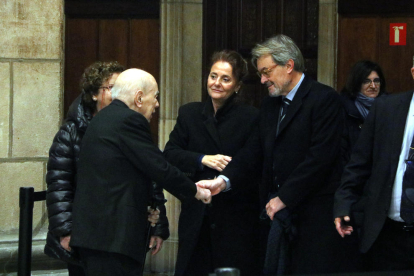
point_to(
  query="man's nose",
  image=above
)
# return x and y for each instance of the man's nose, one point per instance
(263, 79)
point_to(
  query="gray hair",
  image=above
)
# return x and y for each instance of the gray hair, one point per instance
(124, 87)
(282, 48)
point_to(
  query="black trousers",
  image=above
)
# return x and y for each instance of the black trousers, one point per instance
(101, 263)
(393, 250)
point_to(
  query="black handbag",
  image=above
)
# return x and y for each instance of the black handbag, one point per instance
(54, 249)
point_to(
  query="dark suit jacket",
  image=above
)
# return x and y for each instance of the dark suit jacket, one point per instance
(369, 176)
(233, 215)
(117, 165)
(302, 163)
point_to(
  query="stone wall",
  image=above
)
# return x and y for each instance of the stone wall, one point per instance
(31, 59)
(181, 78)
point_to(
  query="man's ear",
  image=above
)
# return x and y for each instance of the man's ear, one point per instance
(290, 65)
(138, 98)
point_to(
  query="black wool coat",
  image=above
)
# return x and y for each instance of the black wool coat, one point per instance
(61, 178)
(233, 215)
(117, 165)
(303, 164)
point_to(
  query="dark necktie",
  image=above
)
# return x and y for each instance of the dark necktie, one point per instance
(285, 104)
(283, 110)
(407, 197)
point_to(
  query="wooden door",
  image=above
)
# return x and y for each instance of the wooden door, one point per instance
(240, 24)
(364, 33)
(131, 37)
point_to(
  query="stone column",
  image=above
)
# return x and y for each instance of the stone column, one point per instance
(327, 42)
(181, 82)
(31, 59)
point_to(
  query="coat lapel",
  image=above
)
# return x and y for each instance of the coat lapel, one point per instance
(272, 117)
(399, 122)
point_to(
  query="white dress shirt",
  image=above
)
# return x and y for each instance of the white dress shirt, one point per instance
(394, 212)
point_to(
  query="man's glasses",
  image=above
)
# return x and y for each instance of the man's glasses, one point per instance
(376, 81)
(266, 71)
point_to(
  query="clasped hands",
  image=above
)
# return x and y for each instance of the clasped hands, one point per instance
(207, 188)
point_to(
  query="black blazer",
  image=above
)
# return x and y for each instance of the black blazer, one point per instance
(369, 176)
(117, 165)
(233, 215)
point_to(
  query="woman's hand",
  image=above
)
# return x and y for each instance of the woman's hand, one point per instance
(217, 162)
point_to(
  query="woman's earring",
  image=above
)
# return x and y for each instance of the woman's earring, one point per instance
(236, 92)
(94, 98)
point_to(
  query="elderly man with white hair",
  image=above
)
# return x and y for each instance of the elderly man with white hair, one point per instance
(117, 165)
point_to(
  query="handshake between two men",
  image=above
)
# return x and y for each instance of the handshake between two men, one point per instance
(208, 188)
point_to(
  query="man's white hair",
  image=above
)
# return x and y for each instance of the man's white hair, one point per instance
(130, 81)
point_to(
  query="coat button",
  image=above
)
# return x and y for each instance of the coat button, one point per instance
(213, 226)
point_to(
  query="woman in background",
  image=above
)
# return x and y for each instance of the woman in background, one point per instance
(365, 82)
(204, 140)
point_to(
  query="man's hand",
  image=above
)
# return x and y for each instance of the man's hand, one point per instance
(203, 194)
(217, 162)
(341, 227)
(64, 242)
(214, 185)
(153, 216)
(274, 206)
(157, 242)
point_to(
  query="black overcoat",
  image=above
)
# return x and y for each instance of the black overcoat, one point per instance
(117, 165)
(233, 215)
(303, 163)
(368, 178)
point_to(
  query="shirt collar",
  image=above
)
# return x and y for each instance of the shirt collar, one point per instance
(292, 92)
